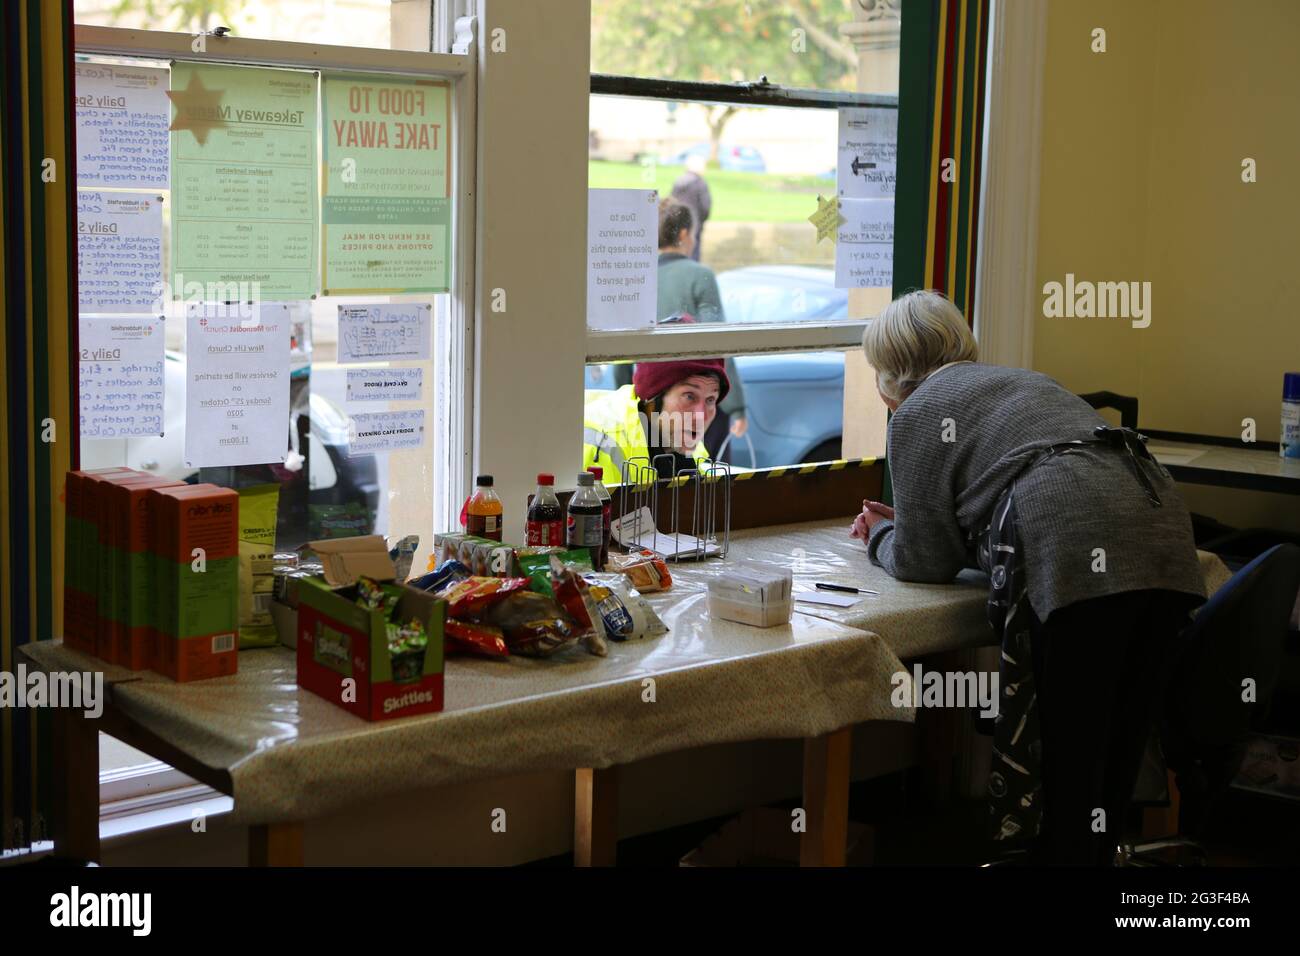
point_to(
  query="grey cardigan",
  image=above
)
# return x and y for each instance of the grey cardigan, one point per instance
(967, 433)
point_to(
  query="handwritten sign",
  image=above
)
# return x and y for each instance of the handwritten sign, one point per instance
(236, 384)
(122, 117)
(386, 198)
(868, 153)
(381, 333)
(121, 384)
(244, 178)
(119, 252)
(370, 432)
(864, 249)
(622, 258)
(385, 384)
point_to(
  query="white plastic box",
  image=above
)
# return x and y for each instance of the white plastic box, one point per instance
(753, 593)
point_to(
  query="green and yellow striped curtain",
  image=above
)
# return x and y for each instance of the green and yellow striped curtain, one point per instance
(942, 61)
(38, 438)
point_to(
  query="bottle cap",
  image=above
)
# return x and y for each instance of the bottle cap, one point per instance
(597, 471)
(544, 479)
(483, 481)
(586, 480)
(1291, 387)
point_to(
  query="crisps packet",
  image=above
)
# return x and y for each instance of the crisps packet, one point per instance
(626, 614)
(258, 508)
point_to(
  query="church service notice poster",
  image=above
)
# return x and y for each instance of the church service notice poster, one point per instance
(386, 198)
(244, 183)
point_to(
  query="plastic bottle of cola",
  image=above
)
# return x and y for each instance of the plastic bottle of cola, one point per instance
(607, 502)
(545, 516)
(586, 518)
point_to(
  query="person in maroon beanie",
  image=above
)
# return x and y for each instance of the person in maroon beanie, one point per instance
(665, 411)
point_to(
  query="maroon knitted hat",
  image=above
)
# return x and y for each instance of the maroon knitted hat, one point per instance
(652, 379)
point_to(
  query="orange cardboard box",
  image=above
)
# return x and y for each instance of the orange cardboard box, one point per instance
(196, 598)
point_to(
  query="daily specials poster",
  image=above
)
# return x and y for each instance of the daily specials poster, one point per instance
(386, 199)
(243, 182)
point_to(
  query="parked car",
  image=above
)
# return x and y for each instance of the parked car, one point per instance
(732, 158)
(794, 403)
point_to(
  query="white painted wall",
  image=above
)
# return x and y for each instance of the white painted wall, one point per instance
(532, 237)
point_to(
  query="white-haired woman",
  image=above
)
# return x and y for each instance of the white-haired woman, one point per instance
(1091, 562)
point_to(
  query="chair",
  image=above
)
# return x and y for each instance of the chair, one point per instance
(1126, 405)
(1238, 634)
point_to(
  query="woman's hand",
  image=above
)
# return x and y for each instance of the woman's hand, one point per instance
(873, 512)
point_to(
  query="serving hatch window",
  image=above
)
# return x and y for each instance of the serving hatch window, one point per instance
(741, 162)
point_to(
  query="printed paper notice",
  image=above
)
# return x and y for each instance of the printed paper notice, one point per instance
(385, 384)
(122, 118)
(236, 384)
(864, 248)
(119, 252)
(386, 202)
(868, 154)
(385, 333)
(622, 258)
(243, 183)
(370, 432)
(121, 382)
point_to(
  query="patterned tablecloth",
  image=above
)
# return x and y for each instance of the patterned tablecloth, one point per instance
(291, 755)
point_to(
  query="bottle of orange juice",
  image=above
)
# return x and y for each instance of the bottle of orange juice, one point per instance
(483, 515)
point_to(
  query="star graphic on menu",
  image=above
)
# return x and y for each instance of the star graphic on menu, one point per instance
(827, 218)
(197, 109)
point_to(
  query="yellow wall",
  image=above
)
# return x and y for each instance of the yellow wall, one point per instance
(1141, 181)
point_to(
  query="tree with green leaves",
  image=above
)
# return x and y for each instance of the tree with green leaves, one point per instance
(794, 43)
(183, 15)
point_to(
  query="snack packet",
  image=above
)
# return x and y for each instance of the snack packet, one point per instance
(258, 507)
(537, 567)
(469, 598)
(374, 596)
(473, 637)
(626, 614)
(647, 571)
(533, 624)
(571, 592)
(402, 554)
(406, 646)
(445, 575)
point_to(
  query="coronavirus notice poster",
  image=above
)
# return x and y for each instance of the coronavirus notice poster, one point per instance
(386, 202)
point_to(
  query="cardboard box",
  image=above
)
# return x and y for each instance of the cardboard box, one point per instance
(346, 559)
(125, 625)
(80, 532)
(196, 623)
(343, 651)
(754, 593)
(483, 556)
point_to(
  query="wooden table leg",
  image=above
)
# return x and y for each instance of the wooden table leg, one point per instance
(75, 800)
(595, 817)
(826, 798)
(275, 844)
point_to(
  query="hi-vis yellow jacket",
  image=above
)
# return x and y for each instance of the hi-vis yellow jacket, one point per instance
(612, 433)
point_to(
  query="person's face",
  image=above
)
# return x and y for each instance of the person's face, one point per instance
(690, 406)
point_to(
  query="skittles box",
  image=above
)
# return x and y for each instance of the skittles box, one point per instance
(81, 537)
(372, 648)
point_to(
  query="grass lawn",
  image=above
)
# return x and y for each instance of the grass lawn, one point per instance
(737, 197)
